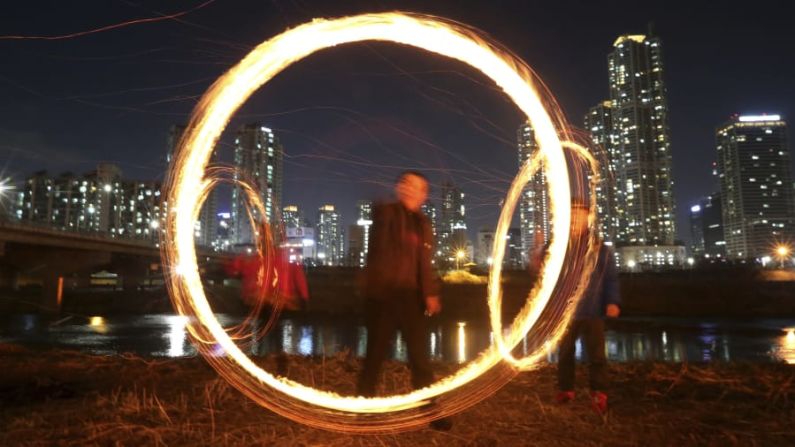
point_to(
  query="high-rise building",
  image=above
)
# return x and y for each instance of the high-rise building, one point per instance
(755, 181)
(100, 201)
(328, 231)
(706, 227)
(697, 230)
(452, 232)
(513, 256)
(534, 216)
(258, 159)
(360, 236)
(291, 216)
(485, 242)
(143, 211)
(34, 204)
(356, 245)
(643, 151)
(514, 251)
(599, 123)
(429, 210)
(65, 201)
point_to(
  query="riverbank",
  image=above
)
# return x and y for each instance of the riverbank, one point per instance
(719, 293)
(69, 398)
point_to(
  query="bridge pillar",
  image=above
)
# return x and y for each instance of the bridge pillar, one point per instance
(61, 264)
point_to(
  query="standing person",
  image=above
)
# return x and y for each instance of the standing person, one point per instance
(600, 299)
(400, 284)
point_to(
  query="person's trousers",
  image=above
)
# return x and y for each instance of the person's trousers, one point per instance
(592, 333)
(403, 310)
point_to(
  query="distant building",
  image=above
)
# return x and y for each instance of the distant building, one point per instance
(356, 246)
(645, 193)
(329, 238)
(651, 257)
(430, 212)
(223, 241)
(485, 242)
(534, 216)
(258, 159)
(514, 250)
(513, 257)
(34, 203)
(599, 124)
(452, 232)
(292, 217)
(143, 212)
(359, 234)
(706, 227)
(300, 244)
(99, 201)
(755, 177)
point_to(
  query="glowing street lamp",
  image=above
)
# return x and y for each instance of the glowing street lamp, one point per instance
(782, 251)
(459, 255)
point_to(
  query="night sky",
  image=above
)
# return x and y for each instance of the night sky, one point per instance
(353, 117)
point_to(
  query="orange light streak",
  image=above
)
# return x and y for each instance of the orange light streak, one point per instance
(108, 27)
(188, 185)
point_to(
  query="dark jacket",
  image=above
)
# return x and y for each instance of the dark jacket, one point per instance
(603, 288)
(399, 253)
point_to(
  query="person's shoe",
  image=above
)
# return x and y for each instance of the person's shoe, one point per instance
(564, 397)
(443, 424)
(599, 402)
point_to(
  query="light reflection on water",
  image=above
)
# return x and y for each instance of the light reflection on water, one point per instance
(668, 340)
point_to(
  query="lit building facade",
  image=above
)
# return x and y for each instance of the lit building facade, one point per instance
(513, 257)
(643, 152)
(300, 245)
(259, 159)
(706, 228)
(429, 210)
(329, 237)
(452, 231)
(359, 234)
(755, 180)
(292, 217)
(100, 201)
(651, 257)
(534, 217)
(599, 124)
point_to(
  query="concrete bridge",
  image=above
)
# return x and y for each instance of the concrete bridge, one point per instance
(48, 256)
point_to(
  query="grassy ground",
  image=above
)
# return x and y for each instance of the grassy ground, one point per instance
(68, 398)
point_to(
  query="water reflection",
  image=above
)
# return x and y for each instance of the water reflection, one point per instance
(640, 340)
(462, 342)
(97, 324)
(786, 348)
(177, 335)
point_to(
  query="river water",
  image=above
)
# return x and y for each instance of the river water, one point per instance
(652, 339)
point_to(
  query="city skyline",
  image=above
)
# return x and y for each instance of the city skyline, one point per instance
(572, 67)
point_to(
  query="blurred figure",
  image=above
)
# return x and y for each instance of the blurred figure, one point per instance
(292, 286)
(284, 281)
(267, 282)
(600, 299)
(400, 284)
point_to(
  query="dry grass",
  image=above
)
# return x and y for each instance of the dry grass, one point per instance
(66, 398)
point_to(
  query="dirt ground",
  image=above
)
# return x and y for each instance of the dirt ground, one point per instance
(65, 398)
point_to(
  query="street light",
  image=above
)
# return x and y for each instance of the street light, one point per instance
(782, 251)
(459, 255)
